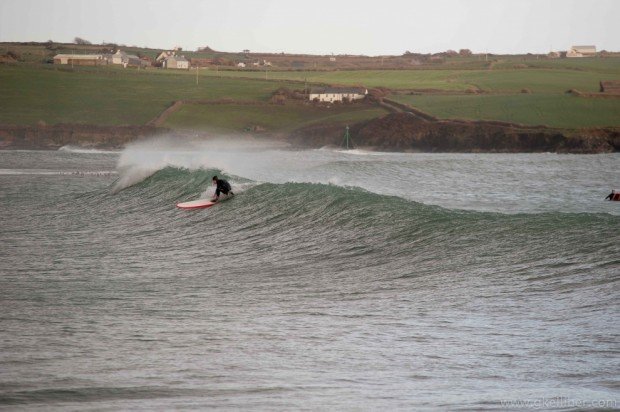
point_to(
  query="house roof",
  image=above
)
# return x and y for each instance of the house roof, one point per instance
(584, 48)
(78, 56)
(337, 90)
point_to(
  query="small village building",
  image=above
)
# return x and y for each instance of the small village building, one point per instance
(610, 87)
(337, 94)
(119, 57)
(164, 55)
(553, 55)
(80, 59)
(581, 51)
(125, 60)
(241, 64)
(176, 62)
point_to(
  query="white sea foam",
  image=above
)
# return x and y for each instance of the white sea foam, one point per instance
(78, 149)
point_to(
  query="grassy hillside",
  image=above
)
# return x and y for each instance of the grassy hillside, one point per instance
(556, 110)
(31, 91)
(557, 79)
(237, 118)
(109, 96)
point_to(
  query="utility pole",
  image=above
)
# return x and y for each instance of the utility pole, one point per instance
(196, 74)
(346, 137)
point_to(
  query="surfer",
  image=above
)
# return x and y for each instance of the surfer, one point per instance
(611, 196)
(222, 186)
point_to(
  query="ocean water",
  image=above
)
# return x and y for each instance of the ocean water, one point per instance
(332, 280)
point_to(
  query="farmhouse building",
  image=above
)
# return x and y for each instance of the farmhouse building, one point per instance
(80, 59)
(581, 51)
(164, 55)
(337, 94)
(176, 62)
(241, 64)
(610, 87)
(125, 60)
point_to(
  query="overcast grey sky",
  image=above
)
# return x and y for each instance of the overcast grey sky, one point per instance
(320, 26)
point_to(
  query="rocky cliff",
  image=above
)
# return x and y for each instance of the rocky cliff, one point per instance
(407, 132)
(55, 136)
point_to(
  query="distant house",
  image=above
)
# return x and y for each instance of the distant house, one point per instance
(164, 55)
(119, 57)
(337, 94)
(80, 59)
(581, 51)
(332, 59)
(553, 55)
(176, 62)
(124, 59)
(610, 87)
(241, 64)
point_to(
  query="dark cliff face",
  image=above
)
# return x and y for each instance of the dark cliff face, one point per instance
(56, 136)
(406, 132)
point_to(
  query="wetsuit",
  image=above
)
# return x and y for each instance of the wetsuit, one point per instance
(222, 186)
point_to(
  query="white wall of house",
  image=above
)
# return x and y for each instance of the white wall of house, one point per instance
(336, 97)
(174, 62)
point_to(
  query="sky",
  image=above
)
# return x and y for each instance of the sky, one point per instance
(387, 27)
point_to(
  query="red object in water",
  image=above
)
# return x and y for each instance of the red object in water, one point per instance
(196, 204)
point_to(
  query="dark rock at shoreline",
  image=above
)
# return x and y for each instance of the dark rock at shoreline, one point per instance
(53, 137)
(407, 132)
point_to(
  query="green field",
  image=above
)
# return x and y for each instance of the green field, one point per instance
(395, 79)
(557, 76)
(31, 92)
(236, 118)
(555, 110)
(109, 96)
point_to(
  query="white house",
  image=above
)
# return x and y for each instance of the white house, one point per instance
(124, 59)
(119, 57)
(581, 51)
(241, 64)
(176, 62)
(337, 94)
(164, 55)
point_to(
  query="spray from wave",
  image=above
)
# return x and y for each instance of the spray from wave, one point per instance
(242, 158)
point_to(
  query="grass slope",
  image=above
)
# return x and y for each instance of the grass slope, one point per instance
(109, 96)
(235, 118)
(556, 110)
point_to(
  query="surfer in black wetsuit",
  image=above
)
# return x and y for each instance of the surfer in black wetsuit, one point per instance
(611, 195)
(222, 186)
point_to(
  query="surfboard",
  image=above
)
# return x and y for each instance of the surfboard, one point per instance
(196, 204)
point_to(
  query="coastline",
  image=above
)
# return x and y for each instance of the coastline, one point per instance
(396, 132)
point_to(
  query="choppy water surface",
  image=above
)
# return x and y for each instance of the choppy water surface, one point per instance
(333, 280)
